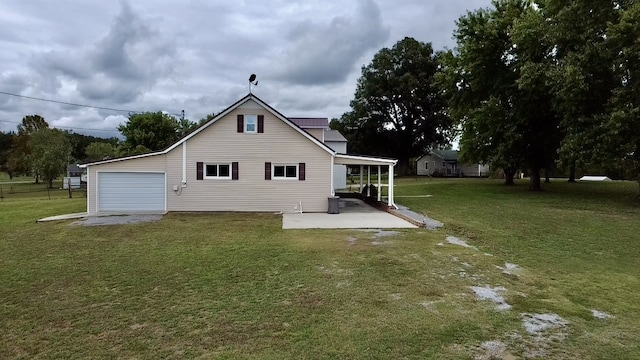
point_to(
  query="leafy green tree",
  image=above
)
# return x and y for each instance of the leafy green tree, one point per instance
(150, 131)
(498, 84)
(6, 142)
(583, 78)
(397, 110)
(99, 150)
(186, 127)
(80, 142)
(618, 132)
(51, 152)
(20, 159)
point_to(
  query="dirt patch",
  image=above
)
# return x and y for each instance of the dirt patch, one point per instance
(457, 241)
(490, 350)
(492, 294)
(117, 220)
(600, 314)
(535, 324)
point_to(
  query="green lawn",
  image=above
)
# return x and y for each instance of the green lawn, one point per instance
(238, 286)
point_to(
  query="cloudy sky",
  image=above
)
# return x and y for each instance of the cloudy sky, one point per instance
(197, 55)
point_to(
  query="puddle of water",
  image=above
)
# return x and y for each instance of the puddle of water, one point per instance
(457, 241)
(537, 323)
(492, 294)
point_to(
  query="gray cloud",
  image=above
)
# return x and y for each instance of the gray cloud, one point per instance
(326, 53)
(152, 55)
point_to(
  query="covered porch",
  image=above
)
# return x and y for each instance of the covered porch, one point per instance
(366, 164)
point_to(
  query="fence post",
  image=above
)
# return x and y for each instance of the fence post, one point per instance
(69, 185)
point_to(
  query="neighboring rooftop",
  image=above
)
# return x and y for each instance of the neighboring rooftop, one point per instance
(311, 123)
(447, 155)
(333, 135)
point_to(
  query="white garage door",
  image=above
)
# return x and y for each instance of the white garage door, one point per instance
(131, 192)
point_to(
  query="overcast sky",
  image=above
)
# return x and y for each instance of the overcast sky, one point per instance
(152, 55)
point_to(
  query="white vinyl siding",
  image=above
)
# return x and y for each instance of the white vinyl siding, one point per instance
(131, 192)
(280, 144)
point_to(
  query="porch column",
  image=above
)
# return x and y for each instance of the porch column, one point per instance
(379, 188)
(368, 180)
(361, 177)
(333, 190)
(390, 200)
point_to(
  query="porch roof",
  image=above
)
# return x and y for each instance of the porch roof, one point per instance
(348, 159)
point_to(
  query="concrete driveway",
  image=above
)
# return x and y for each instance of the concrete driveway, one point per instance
(354, 214)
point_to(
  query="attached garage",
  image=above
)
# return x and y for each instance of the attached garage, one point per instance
(131, 192)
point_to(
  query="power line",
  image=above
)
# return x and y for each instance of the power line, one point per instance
(68, 103)
(74, 104)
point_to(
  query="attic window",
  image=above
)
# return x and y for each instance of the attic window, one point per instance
(251, 123)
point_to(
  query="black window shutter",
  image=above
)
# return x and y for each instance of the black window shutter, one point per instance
(234, 170)
(199, 171)
(302, 171)
(240, 123)
(267, 171)
(260, 123)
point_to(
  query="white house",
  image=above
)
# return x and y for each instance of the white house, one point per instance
(445, 163)
(248, 158)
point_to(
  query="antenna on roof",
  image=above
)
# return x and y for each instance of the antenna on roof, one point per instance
(252, 81)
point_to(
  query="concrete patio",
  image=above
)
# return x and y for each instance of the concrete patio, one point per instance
(354, 214)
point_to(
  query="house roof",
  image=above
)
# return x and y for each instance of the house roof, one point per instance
(222, 114)
(311, 123)
(334, 135)
(74, 168)
(445, 155)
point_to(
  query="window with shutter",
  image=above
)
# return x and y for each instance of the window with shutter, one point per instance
(302, 171)
(267, 171)
(234, 170)
(260, 124)
(199, 171)
(240, 123)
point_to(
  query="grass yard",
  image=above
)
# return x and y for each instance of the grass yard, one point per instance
(238, 286)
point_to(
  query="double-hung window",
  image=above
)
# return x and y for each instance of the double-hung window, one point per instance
(251, 123)
(217, 171)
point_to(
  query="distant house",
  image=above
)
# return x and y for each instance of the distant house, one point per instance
(445, 163)
(248, 158)
(75, 176)
(319, 128)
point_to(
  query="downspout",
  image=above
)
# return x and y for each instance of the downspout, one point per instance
(184, 164)
(333, 190)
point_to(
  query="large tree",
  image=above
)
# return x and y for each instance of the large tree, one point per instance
(397, 110)
(584, 77)
(6, 142)
(100, 150)
(19, 159)
(50, 153)
(150, 131)
(497, 82)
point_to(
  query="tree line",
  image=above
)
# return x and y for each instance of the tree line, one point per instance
(532, 85)
(38, 150)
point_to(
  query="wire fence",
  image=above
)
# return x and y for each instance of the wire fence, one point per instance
(8, 191)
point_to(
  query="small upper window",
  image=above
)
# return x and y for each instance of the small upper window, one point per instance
(217, 171)
(251, 123)
(285, 171)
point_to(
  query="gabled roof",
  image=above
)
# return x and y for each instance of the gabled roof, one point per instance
(311, 123)
(222, 114)
(445, 155)
(333, 135)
